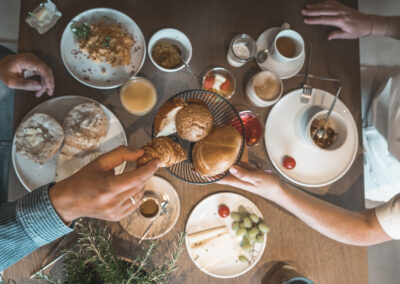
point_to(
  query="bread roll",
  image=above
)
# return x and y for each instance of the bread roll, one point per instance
(165, 119)
(218, 151)
(164, 148)
(85, 126)
(194, 122)
(39, 137)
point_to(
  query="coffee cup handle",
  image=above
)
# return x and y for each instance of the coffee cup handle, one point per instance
(285, 26)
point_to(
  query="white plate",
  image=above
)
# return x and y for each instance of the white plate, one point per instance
(102, 75)
(205, 216)
(33, 175)
(135, 225)
(315, 167)
(283, 70)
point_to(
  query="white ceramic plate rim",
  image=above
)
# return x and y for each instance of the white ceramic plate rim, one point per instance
(257, 211)
(14, 153)
(351, 161)
(88, 12)
(260, 45)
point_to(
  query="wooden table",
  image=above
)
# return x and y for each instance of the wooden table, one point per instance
(210, 25)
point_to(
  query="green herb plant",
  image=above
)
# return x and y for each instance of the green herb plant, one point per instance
(93, 261)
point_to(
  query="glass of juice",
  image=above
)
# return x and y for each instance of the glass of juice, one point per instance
(138, 96)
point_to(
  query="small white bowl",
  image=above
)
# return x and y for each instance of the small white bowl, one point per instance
(338, 125)
(176, 37)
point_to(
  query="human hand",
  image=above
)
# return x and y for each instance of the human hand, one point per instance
(351, 23)
(251, 179)
(95, 191)
(13, 67)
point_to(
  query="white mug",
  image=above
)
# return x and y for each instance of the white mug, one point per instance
(251, 95)
(297, 40)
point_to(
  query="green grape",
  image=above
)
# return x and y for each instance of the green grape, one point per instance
(241, 232)
(247, 222)
(263, 228)
(253, 232)
(247, 247)
(260, 238)
(245, 240)
(242, 210)
(242, 258)
(252, 239)
(235, 216)
(254, 218)
(235, 226)
(241, 225)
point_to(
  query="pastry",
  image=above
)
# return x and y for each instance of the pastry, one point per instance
(39, 137)
(164, 121)
(85, 126)
(165, 149)
(194, 122)
(218, 151)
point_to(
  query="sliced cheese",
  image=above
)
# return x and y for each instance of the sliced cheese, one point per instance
(206, 235)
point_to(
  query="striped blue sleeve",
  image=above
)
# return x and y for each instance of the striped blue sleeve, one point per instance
(27, 224)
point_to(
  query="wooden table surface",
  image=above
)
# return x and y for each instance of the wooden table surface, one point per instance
(210, 25)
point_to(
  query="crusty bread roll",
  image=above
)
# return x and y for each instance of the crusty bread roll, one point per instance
(165, 149)
(39, 137)
(194, 122)
(218, 151)
(165, 119)
(85, 126)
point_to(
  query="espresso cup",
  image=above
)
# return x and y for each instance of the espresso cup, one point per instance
(264, 89)
(150, 207)
(288, 45)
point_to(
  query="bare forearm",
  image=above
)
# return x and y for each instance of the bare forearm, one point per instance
(385, 26)
(355, 228)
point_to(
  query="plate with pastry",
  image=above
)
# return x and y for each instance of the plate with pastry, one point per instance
(226, 235)
(102, 48)
(60, 136)
(208, 128)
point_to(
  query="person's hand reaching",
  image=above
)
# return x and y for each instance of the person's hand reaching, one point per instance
(351, 23)
(14, 67)
(96, 192)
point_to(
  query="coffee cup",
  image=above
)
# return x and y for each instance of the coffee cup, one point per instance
(150, 207)
(264, 89)
(287, 46)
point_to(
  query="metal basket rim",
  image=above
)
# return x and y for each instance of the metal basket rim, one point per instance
(239, 157)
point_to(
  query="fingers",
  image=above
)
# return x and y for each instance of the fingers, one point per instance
(16, 82)
(325, 20)
(110, 160)
(136, 192)
(340, 35)
(324, 5)
(321, 12)
(242, 174)
(235, 182)
(245, 156)
(134, 178)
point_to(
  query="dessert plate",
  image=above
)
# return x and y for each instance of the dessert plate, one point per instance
(212, 261)
(33, 175)
(285, 135)
(283, 70)
(135, 225)
(102, 75)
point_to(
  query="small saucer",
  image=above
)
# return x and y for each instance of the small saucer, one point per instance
(136, 225)
(283, 70)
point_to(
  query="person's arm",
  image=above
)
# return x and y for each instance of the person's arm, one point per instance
(351, 23)
(45, 214)
(355, 228)
(14, 68)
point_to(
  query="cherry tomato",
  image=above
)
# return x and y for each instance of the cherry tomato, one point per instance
(226, 86)
(288, 162)
(223, 211)
(209, 82)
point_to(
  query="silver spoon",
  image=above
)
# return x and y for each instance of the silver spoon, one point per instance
(189, 69)
(163, 210)
(262, 55)
(321, 132)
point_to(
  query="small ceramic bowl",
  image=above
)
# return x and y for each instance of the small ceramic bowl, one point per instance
(226, 74)
(176, 37)
(338, 125)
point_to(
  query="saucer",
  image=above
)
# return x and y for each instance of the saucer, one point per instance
(136, 225)
(285, 136)
(283, 70)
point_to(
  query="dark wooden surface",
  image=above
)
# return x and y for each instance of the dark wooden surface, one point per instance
(210, 25)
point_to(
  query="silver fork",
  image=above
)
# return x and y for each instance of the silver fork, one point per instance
(307, 89)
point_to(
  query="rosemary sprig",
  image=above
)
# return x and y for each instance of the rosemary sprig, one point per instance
(81, 30)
